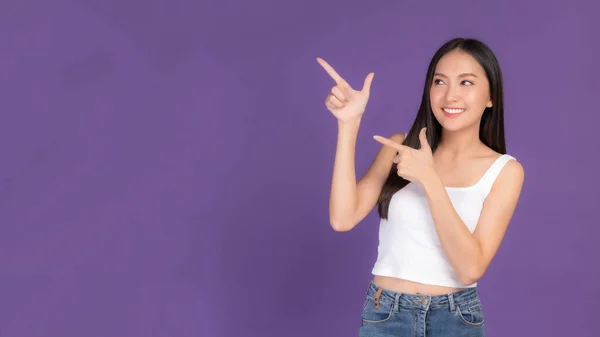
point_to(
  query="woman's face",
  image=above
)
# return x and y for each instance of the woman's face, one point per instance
(459, 92)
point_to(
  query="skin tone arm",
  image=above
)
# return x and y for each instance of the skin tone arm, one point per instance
(469, 254)
(351, 201)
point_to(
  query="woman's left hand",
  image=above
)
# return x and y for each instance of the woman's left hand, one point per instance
(413, 165)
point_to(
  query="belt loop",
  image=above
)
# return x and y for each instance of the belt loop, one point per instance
(379, 291)
(451, 302)
(397, 303)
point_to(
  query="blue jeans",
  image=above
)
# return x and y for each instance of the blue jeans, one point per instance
(387, 313)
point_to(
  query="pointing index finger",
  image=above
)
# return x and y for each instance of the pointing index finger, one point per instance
(329, 69)
(390, 143)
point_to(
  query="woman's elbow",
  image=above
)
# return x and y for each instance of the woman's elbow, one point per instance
(471, 276)
(341, 225)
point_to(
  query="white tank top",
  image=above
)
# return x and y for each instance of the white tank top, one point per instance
(409, 247)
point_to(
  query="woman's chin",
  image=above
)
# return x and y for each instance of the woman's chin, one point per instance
(455, 124)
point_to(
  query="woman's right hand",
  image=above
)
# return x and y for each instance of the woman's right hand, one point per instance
(345, 103)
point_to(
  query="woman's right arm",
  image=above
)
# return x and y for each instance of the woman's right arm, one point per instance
(351, 201)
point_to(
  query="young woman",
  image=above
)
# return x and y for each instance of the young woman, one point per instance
(445, 192)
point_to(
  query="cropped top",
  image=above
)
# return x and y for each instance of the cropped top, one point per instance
(409, 247)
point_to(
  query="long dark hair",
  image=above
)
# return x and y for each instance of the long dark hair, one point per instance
(491, 131)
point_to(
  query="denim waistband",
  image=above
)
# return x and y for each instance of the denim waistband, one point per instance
(423, 301)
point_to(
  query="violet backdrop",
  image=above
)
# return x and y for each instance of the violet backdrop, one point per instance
(166, 164)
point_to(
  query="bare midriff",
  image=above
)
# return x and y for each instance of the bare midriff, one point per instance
(410, 287)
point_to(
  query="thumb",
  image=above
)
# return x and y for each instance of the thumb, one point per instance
(423, 139)
(367, 84)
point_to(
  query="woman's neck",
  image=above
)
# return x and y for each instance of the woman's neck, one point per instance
(456, 144)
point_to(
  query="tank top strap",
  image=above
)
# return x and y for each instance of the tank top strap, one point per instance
(488, 179)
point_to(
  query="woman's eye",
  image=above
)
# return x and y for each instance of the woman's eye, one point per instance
(467, 82)
(437, 82)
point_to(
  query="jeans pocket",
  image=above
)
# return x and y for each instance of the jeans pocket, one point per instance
(373, 314)
(470, 314)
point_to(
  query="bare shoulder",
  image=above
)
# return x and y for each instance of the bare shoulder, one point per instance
(513, 170)
(398, 137)
(370, 184)
(511, 177)
(380, 167)
(386, 154)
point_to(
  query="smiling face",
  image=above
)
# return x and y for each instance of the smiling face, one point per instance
(459, 91)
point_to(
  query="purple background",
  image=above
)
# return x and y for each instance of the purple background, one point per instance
(166, 165)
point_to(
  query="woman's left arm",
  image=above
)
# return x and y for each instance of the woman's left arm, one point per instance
(470, 254)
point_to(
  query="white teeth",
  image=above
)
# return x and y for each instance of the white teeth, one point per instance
(453, 111)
